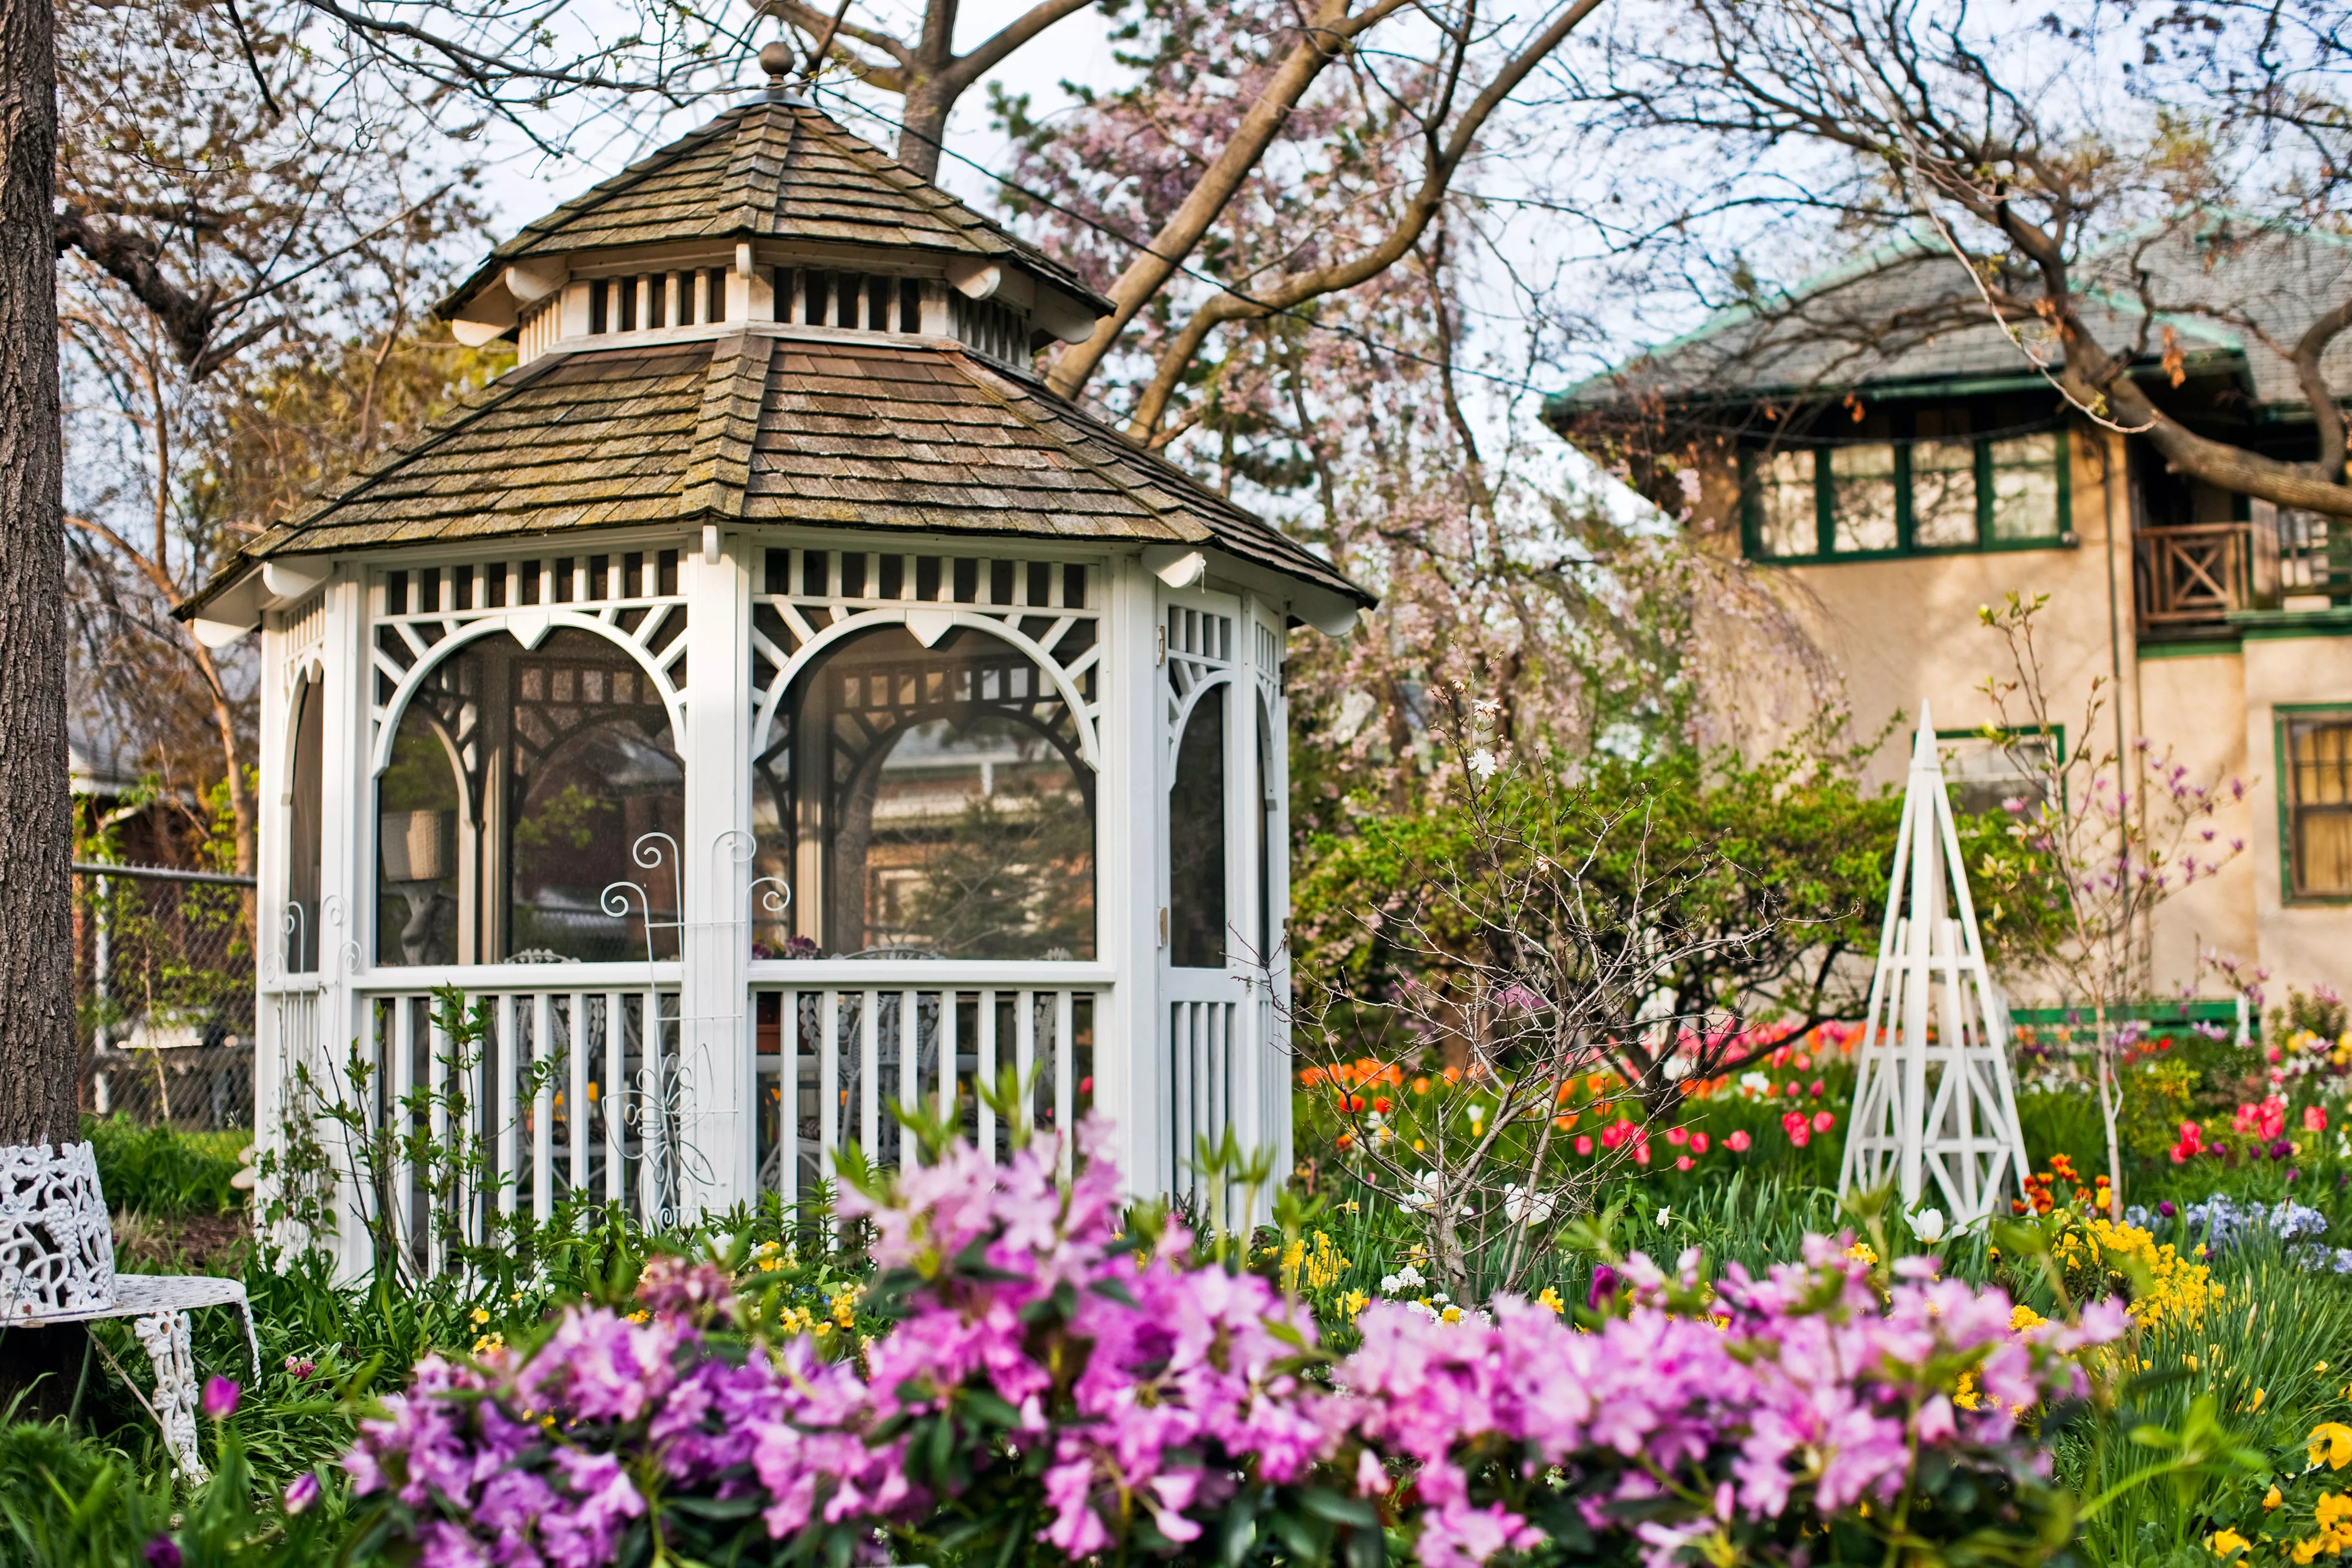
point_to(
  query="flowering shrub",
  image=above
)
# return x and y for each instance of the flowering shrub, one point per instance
(1050, 1382)
(2103, 1257)
(1735, 1425)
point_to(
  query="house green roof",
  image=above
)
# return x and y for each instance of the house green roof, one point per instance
(1904, 319)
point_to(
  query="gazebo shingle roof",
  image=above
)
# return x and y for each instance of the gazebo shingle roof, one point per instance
(777, 427)
(773, 169)
(766, 422)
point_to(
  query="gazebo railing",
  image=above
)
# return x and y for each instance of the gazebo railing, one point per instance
(571, 1090)
(836, 1050)
(572, 1086)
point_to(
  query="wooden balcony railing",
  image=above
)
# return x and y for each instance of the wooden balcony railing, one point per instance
(2193, 575)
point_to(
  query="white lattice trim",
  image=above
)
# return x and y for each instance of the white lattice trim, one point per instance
(56, 1243)
(929, 623)
(529, 626)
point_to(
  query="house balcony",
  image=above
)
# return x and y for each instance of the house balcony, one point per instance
(2204, 580)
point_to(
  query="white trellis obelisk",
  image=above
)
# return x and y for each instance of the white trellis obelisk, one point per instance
(1934, 1097)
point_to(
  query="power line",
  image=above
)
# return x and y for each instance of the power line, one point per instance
(1289, 311)
(1353, 334)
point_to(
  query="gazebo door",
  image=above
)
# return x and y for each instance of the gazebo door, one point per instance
(1207, 955)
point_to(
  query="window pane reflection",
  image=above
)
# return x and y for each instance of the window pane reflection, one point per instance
(1863, 496)
(1788, 524)
(927, 801)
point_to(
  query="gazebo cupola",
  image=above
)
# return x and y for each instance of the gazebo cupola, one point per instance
(771, 703)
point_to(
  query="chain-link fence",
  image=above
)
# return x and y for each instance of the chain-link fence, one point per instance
(163, 977)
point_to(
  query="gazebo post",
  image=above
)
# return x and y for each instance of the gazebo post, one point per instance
(1129, 1086)
(717, 1095)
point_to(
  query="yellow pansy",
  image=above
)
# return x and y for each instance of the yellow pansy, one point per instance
(2331, 1442)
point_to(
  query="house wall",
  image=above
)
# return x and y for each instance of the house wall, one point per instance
(2298, 942)
(2191, 704)
(1904, 632)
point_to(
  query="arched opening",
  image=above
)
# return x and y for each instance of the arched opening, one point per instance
(519, 782)
(926, 801)
(306, 824)
(1197, 915)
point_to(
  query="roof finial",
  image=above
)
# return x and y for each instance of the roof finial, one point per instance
(777, 59)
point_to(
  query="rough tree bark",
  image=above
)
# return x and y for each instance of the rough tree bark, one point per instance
(37, 1100)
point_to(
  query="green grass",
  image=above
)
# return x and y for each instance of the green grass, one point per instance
(2277, 1326)
(164, 1172)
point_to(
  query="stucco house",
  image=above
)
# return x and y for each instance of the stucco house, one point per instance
(1888, 459)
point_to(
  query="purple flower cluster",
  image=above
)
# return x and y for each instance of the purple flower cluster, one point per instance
(538, 1459)
(1159, 1380)
(1130, 1392)
(1816, 1388)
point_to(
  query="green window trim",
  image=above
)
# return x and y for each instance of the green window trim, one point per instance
(1825, 550)
(2282, 715)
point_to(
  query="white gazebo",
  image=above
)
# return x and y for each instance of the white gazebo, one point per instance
(775, 703)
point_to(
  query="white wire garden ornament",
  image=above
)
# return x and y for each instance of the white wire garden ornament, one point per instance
(657, 1108)
(1935, 1099)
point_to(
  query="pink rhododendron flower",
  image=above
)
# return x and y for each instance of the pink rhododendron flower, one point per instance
(1126, 1392)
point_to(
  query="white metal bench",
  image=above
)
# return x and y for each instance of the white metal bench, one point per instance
(57, 1266)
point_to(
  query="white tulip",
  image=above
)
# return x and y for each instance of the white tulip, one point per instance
(1525, 1208)
(1928, 1224)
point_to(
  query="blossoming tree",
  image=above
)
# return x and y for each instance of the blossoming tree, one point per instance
(2112, 828)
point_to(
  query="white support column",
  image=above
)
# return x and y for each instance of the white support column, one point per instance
(1277, 1072)
(1245, 867)
(270, 1070)
(717, 1089)
(346, 871)
(1131, 1088)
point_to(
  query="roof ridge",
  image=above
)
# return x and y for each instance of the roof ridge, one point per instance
(753, 186)
(719, 465)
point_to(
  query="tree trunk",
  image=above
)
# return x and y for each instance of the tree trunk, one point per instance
(928, 99)
(37, 1064)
